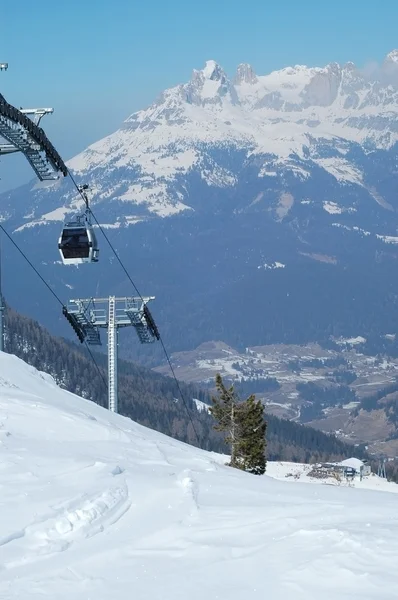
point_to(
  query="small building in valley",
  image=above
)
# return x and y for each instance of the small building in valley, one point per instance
(348, 468)
(355, 466)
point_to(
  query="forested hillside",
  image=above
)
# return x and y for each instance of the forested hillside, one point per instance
(152, 399)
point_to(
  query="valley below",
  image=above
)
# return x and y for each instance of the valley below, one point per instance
(338, 390)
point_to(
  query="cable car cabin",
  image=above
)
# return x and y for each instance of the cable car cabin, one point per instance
(77, 243)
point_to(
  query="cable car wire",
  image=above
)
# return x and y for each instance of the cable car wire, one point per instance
(139, 294)
(97, 366)
(54, 294)
(31, 265)
(179, 389)
(105, 236)
(87, 346)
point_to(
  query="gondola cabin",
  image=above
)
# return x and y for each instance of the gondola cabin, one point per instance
(77, 243)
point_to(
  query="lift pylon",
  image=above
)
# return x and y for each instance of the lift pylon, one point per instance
(23, 134)
(88, 315)
(381, 468)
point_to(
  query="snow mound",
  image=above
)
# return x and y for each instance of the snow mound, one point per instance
(95, 506)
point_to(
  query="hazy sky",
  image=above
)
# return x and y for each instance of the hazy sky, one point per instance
(96, 62)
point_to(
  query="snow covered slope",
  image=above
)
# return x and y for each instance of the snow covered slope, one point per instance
(94, 506)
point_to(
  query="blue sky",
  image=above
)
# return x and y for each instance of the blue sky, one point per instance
(96, 62)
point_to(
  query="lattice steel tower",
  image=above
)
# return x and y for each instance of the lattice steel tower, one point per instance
(381, 469)
(88, 315)
(20, 131)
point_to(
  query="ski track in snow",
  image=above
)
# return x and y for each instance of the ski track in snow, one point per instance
(93, 505)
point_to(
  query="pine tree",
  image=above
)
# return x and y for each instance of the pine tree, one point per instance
(226, 410)
(252, 443)
(245, 427)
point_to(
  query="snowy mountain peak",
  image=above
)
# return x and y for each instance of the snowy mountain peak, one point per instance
(349, 66)
(392, 56)
(333, 67)
(209, 86)
(323, 88)
(213, 71)
(210, 72)
(245, 74)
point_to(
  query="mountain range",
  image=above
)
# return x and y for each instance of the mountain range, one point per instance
(255, 208)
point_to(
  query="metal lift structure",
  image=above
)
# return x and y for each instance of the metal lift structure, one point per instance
(21, 132)
(87, 316)
(381, 468)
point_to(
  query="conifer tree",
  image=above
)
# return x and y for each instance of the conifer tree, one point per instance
(251, 447)
(245, 427)
(226, 410)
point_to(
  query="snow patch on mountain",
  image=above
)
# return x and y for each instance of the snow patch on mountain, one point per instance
(341, 169)
(332, 208)
(353, 341)
(274, 265)
(353, 228)
(388, 239)
(218, 177)
(201, 406)
(31, 224)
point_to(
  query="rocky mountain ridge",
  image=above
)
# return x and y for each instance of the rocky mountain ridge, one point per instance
(292, 122)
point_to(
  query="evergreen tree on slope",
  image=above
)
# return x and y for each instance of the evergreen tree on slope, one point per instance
(245, 427)
(226, 408)
(251, 446)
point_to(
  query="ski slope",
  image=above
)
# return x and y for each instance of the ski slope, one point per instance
(96, 507)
